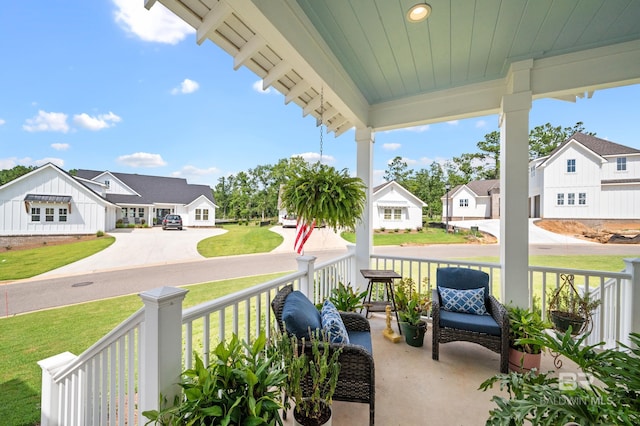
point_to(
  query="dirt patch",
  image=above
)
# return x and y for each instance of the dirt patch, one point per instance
(31, 242)
(597, 231)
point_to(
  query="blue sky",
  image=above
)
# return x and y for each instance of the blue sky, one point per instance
(108, 85)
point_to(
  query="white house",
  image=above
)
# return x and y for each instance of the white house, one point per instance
(584, 178)
(50, 201)
(396, 208)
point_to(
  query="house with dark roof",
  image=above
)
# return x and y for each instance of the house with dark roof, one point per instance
(394, 207)
(50, 201)
(585, 177)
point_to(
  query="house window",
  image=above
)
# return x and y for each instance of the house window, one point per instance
(141, 212)
(582, 198)
(205, 214)
(125, 212)
(198, 214)
(621, 164)
(397, 214)
(571, 199)
(387, 214)
(107, 183)
(464, 202)
(532, 171)
(62, 215)
(35, 214)
(48, 214)
(571, 166)
(560, 201)
(132, 212)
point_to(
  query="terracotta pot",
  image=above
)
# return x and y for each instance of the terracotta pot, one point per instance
(520, 365)
(414, 335)
(324, 420)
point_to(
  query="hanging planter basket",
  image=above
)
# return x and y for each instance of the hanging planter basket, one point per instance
(567, 308)
(323, 194)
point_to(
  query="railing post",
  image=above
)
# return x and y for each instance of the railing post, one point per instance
(161, 346)
(306, 265)
(353, 269)
(49, 401)
(632, 266)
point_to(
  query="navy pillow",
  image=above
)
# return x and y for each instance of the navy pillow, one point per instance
(300, 315)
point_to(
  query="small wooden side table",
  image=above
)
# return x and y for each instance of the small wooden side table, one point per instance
(385, 277)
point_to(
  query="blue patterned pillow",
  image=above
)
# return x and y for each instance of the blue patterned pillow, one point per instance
(463, 301)
(332, 323)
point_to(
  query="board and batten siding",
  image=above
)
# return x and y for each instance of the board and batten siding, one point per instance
(87, 214)
(201, 203)
(393, 196)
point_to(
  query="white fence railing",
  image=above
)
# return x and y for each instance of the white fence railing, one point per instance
(125, 372)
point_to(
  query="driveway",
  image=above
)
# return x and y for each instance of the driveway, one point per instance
(537, 235)
(142, 247)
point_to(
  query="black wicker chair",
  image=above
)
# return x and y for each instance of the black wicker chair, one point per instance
(470, 327)
(356, 382)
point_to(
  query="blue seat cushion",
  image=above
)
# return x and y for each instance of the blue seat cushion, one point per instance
(300, 316)
(469, 301)
(332, 323)
(470, 322)
(361, 338)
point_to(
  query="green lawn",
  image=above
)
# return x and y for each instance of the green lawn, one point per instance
(240, 239)
(21, 264)
(426, 236)
(26, 339)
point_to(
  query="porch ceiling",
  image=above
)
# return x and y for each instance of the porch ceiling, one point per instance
(376, 69)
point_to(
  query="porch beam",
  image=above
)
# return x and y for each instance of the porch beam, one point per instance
(514, 185)
(364, 230)
(247, 51)
(275, 74)
(212, 21)
(296, 91)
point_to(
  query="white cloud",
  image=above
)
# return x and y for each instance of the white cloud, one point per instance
(47, 122)
(187, 86)
(453, 122)
(481, 124)
(57, 161)
(60, 146)
(194, 171)
(99, 122)
(156, 25)
(314, 157)
(2, 121)
(142, 159)
(257, 86)
(391, 146)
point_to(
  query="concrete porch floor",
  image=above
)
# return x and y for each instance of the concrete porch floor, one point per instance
(412, 389)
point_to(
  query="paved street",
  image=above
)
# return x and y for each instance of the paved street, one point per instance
(101, 280)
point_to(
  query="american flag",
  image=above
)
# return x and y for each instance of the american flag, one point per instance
(303, 231)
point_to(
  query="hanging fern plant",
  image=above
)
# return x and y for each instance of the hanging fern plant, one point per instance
(324, 194)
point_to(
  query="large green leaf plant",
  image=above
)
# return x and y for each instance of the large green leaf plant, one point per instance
(321, 193)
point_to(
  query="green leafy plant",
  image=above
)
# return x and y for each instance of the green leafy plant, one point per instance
(312, 376)
(346, 299)
(242, 386)
(541, 399)
(568, 306)
(409, 303)
(524, 324)
(324, 194)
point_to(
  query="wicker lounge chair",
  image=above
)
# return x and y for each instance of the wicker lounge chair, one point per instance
(356, 382)
(490, 330)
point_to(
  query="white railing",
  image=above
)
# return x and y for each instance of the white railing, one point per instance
(125, 372)
(99, 386)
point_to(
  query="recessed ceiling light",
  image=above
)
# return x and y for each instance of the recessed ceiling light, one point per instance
(419, 12)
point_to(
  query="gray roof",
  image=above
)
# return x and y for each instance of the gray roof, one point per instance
(479, 187)
(601, 147)
(48, 198)
(153, 189)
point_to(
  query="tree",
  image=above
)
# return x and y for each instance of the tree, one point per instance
(8, 175)
(398, 170)
(490, 154)
(545, 138)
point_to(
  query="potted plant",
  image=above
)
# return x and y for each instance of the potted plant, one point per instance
(524, 324)
(345, 299)
(411, 306)
(570, 309)
(323, 194)
(312, 377)
(242, 385)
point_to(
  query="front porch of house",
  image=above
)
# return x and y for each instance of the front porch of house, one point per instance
(123, 374)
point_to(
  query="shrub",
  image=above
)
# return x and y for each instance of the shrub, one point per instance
(396, 230)
(99, 234)
(382, 229)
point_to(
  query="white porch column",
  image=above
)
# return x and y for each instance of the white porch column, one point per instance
(632, 266)
(161, 357)
(306, 265)
(514, 186)
(364, 230)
